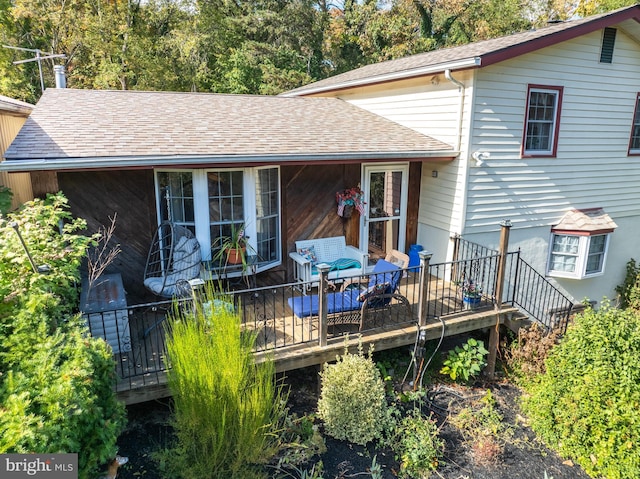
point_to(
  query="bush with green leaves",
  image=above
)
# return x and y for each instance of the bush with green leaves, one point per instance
(6, 196)
(465, 362)
(352, 403)
(417, 445)
(586, 404)
(629, 290)
(226, 405)
(56, 385)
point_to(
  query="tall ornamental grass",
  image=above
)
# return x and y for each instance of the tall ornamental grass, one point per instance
(224, 402)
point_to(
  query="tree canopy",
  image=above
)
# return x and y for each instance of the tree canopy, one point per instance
(236, 46)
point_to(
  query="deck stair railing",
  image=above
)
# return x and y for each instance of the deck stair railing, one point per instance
(532, 293)
(525, 287)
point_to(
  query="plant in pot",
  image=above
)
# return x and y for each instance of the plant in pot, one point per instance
(233, 249)
(471, 293)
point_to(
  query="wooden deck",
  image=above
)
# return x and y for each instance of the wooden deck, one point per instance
(296, 342)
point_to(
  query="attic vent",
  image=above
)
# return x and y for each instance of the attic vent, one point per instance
(608, 42)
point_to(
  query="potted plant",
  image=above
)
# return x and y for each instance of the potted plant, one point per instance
(349, 199)
(234, 248)
(471, 293)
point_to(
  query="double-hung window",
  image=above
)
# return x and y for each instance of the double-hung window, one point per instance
(542, 121)
(634, 144)
(213, 203)
(579, 243)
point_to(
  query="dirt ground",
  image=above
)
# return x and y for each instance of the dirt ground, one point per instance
(521, 456)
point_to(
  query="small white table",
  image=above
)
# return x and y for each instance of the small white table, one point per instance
(105, 310)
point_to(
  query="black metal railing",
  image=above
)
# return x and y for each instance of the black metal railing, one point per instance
(137, 335)
(528, 290)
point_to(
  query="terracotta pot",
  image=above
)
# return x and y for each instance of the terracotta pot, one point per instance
(235, 255)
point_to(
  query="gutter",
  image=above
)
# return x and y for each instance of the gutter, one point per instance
(461, 91)
(94, 163)
(387, 77)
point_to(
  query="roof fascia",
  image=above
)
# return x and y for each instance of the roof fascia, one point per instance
(101, 163)
(388, 77)
(557, 37)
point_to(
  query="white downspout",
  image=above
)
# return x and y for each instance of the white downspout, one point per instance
(461, 90)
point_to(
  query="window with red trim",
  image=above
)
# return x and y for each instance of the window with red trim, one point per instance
(634, 144)
(542, 121)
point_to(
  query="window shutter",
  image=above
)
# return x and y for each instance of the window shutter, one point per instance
(608, 42)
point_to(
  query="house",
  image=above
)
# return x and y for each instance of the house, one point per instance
(547, 125)
(210, 161)
(13, 114)
(541, 128)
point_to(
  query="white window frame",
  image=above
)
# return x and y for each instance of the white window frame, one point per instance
(552, 149)
(582, 255)
(201, 209)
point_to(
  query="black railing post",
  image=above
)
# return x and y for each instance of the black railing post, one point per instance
(494, 335)
(425, 257)
(323, 269)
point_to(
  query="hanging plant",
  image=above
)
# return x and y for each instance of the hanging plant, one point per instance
(349, 199)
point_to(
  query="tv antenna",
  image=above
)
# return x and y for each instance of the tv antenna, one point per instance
(38, 58)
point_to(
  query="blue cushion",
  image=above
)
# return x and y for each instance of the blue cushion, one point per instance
(304, 306)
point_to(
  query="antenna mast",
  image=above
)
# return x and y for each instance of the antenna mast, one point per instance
(38, 58)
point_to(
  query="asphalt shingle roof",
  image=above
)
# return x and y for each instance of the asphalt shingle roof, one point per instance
(486, 51)
(69, 123)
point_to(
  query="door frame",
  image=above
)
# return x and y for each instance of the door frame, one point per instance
(367, 169)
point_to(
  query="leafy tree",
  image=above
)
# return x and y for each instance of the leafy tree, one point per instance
(56, 386)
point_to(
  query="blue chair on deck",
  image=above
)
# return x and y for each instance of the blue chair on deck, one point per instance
(352, 304)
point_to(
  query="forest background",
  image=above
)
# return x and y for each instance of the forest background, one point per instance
(250, 47)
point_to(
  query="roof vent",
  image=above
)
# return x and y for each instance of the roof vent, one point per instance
(608, 42)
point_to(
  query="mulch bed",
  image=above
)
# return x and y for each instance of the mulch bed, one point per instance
(523, 457)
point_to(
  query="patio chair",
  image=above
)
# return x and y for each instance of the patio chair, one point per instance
(173, 260)
(353, 305)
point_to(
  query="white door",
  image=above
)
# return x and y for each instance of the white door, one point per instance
(384, 221)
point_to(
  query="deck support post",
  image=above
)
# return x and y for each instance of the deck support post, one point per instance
(323, 269)
(425, 257)
(494, 335)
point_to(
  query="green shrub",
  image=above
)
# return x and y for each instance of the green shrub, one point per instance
(466, 361)
(5, 199)
(629, 290)
(225, 403)
(586, 404)
(352, 401)
(56, 385)
(417, 445)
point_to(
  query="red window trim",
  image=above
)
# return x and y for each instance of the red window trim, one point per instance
(556, 132)
(636, 151)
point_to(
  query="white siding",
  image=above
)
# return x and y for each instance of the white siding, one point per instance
(592, 167)
(431, 106)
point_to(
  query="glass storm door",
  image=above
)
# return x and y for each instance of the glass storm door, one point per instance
(384, 222)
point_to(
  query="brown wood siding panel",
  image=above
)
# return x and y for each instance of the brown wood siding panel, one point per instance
(413, 202)
(309, 204)
(97, 195)
(43, 182)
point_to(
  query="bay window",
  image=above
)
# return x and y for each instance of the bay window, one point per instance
(213, 203)
(579, 244)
